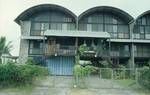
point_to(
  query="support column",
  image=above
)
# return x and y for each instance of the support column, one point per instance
(131, 61)
(76, 45)
(132, 65)
(76, 42)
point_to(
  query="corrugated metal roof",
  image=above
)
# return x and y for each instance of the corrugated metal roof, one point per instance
(77, 33)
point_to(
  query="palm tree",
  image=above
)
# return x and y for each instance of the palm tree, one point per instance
(4, 47)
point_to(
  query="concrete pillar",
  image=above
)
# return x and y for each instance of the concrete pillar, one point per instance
(131, 63)
(76, 45)
(24, 48)
(24, 43)
(76, 42)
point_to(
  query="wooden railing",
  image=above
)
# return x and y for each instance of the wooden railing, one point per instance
(72, 51)
(60, 50)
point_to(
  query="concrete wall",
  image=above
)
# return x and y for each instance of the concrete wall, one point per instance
(24, 43)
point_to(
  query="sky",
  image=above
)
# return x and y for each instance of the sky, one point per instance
(10, 9)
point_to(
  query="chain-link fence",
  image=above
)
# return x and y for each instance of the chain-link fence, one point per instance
(102, 78)
(107, 77)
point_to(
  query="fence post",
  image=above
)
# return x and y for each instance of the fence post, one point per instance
(136, 75)
(54, 80)
(100, 73)
(112, 74)
(112, 77)
(124, 73)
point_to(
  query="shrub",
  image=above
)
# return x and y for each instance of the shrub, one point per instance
(29, 61)
(9, 73)
(144, 78)
(106, 73)
(83, 48)
(20, 74)
(83, 71)
(29, 72)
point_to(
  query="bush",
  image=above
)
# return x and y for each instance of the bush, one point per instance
(29, 61)
(20, 74)
(8, 73)
(106, 73)
(83, 71)
(144, 78)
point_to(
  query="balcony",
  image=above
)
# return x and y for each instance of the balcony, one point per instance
(72, 51)
(120, 54)
(35, 51)
(94, 52)
(142, 54)
(60, 50)
(56, 50)
(36, 33)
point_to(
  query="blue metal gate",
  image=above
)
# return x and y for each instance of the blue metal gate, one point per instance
(60, 65)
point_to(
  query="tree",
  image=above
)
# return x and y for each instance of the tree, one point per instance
(4, 47)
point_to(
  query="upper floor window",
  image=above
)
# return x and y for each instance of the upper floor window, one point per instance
(51, 20)
(142, 28)
(117, 27)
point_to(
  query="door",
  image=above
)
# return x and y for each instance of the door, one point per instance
(60, 65)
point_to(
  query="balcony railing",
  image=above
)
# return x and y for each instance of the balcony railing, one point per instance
(120, 54)
(60, 50)
(141, 54)
(35, 51)
(72, 50)
(93, 52)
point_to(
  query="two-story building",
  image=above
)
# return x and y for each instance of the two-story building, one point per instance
(52, 34)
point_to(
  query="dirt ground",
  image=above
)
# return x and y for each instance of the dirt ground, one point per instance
(61, 85)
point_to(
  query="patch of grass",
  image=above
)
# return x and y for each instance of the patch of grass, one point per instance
(132, 85)
(25, 89)
(126, 83)
(19, 89)
(78, 91)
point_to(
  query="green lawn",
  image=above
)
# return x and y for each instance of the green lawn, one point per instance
(133, 86)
